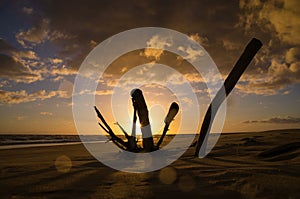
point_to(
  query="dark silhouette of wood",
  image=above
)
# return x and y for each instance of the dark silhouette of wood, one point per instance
(142, 111)
(122, 129)
(173, 110)
(116, 140)
(131, 139)
(233, 77)
(131, 144)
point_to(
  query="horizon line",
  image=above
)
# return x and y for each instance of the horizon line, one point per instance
(73, 134)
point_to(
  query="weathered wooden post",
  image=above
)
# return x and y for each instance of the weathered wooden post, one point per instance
(233, 77)
(142, 111)
(173, 110)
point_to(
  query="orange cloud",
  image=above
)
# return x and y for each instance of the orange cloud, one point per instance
(282, 18)
(276, 120)
(17, 97)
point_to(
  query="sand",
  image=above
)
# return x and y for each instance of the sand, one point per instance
(243, 165)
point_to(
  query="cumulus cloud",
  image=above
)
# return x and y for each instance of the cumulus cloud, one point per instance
(40, 33)
(26, 55)
(191, 53)
(17, 97)
(292, 55)
(275, 80)
(281, 17)
(6, 48)
(62, 71)
(155, 46)
(224, 40)
(25, 66)
(55, 60)
(35, 35)
(17, 65)
(276, 120)
(12, 68)
(203, 41)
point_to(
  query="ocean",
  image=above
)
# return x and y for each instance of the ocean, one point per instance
(9, 141)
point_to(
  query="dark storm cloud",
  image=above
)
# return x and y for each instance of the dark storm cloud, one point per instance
(75, 27)
(97, 20)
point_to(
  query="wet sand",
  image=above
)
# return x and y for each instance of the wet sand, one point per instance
(243, 165)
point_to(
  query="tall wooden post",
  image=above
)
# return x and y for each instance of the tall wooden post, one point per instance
(233, 77)
(142, 111)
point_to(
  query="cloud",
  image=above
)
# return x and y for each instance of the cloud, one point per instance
(34, 35)
(17, 97)
(191, 53)
(230, 45)
(4, 83)
(203, 41)
(26, 55)
(12, 68)
(187, 100)
(55, 60)
(6, 48)
(280, 17)
(274, 81)
(293, 55)
(152, 14)
(40, 33)
(21, 117)
(193, 77)
(45, 113)
(17, 65)
(155, 46)
(97, 92)
(275, 69)
(224, 32)
(104, 92)
(27, 10)
(276, 120)
(62, 71)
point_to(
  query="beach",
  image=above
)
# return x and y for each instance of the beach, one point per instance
(241, 165)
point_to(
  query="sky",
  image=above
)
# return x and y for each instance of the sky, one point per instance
(43, 44)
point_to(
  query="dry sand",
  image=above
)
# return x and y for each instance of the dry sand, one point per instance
(244, 165)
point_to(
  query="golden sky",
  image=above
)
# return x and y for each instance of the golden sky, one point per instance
(43, 43)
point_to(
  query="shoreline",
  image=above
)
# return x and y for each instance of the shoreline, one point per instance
(16, 145)
(248, 165)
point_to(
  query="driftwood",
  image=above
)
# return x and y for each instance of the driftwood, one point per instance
(140, 108)
(171, 114)
(233, 77)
